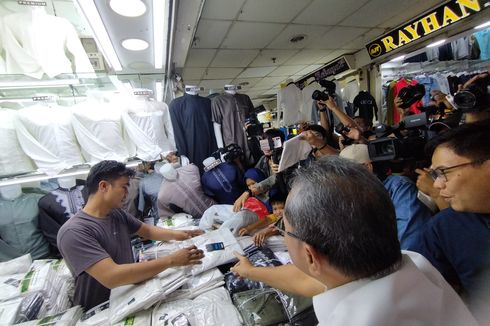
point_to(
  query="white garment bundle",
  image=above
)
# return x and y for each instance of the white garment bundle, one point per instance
(213, 308)
(99, 130)
(47, 137)
(177, 221)
(198, 284)
(276, 243)
(283, 257)
(16, 266)
(66, 318)
(97, 316)
(128, 299)
(13, 160)
(142, 318)
(224, 215)
(10, 286)
(36, 43)
(9, 310)
(211, 259)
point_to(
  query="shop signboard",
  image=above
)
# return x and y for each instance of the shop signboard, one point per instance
(435, 20)
(336, 67)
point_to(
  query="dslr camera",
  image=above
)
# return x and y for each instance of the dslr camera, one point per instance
(474, 98)
(230, 153)
(344, 130)
(324, 95)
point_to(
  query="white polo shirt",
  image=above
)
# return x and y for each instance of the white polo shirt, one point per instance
(416, 294)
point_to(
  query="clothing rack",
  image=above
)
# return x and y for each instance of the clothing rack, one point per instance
(414, 69)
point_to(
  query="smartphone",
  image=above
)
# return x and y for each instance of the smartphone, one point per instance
(215, 246)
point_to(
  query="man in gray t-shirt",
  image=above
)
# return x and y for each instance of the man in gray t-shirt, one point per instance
(95, 243)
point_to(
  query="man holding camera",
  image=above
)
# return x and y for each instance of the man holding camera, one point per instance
(346, 254)
(457, 240)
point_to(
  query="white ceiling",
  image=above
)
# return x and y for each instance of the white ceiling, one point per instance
(236, 40)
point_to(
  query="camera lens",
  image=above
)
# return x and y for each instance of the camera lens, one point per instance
(319, 96)
(465, 100)
(385, 148)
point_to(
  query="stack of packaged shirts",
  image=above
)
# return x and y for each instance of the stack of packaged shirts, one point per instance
(177, 221)
(276, 243)
(198, 285)
(66, 318)
(213, 308)
(211, 259)
(142, 318)
(9, 310)
(16, 266)
(97, 316)
(129, 299)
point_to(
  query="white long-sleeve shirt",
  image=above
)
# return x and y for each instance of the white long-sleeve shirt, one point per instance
(36, 43)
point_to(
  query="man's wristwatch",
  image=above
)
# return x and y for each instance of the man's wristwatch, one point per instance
(322, 110)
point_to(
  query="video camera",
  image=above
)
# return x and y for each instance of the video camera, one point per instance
(411, 135)
(275, 146)
(474, 98)
(325, 94)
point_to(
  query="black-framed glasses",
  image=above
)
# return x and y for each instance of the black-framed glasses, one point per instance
(441, 172)
(291, 234)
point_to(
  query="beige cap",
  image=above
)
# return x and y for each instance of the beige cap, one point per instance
(356, 152)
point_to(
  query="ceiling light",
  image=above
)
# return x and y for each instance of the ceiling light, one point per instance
(436, 43)
(400, 58)
(135, 44)
(160, 31)
(483, 25)
(89, 10)
(128, 8)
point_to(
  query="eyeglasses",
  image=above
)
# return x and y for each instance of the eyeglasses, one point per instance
(284, 232)
(441, 172)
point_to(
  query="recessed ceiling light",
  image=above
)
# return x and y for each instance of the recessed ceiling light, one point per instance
(440, 42)
(134, 44)
(128, 8)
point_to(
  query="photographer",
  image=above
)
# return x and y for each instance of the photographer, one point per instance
(317, 137)
(346, 254)
(457, 239)
(268, 167)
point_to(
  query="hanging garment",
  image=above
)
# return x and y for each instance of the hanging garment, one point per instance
(99, 130)
(349, 93)
(289, 104)
(13, 160)
(193, 127)
(446, 52)
(150, 129)
(55, 209)
(365, 106)
(474, 48)
(19, 231)
(231, 112)
(185, 192)
(36, 43)
(223, 183)
(307, 91)
(461, 48)
(46, 135)
(442, 82)
(430, 84)
(483, 38)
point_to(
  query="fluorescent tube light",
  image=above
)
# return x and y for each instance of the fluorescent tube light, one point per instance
(100, 33)
(39, 83)
(160, 31)
(436, 43)
(400, 58)
(487, 24)
(159, 91)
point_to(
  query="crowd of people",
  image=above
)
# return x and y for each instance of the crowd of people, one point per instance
(362, 243)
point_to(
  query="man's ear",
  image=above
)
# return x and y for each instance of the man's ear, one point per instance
(104, 186)
(314, 260)
(369, 166)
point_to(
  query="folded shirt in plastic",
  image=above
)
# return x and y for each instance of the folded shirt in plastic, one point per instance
(66, 318)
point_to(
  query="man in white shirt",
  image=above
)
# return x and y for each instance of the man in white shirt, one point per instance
(340, 229)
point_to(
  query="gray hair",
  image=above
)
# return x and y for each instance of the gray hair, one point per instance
(344, 211)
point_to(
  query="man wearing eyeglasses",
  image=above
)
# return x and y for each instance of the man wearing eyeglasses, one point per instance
(346, 254)
(457, 239)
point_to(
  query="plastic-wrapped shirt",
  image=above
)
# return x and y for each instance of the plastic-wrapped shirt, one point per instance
(13, 160)
(46, 135)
